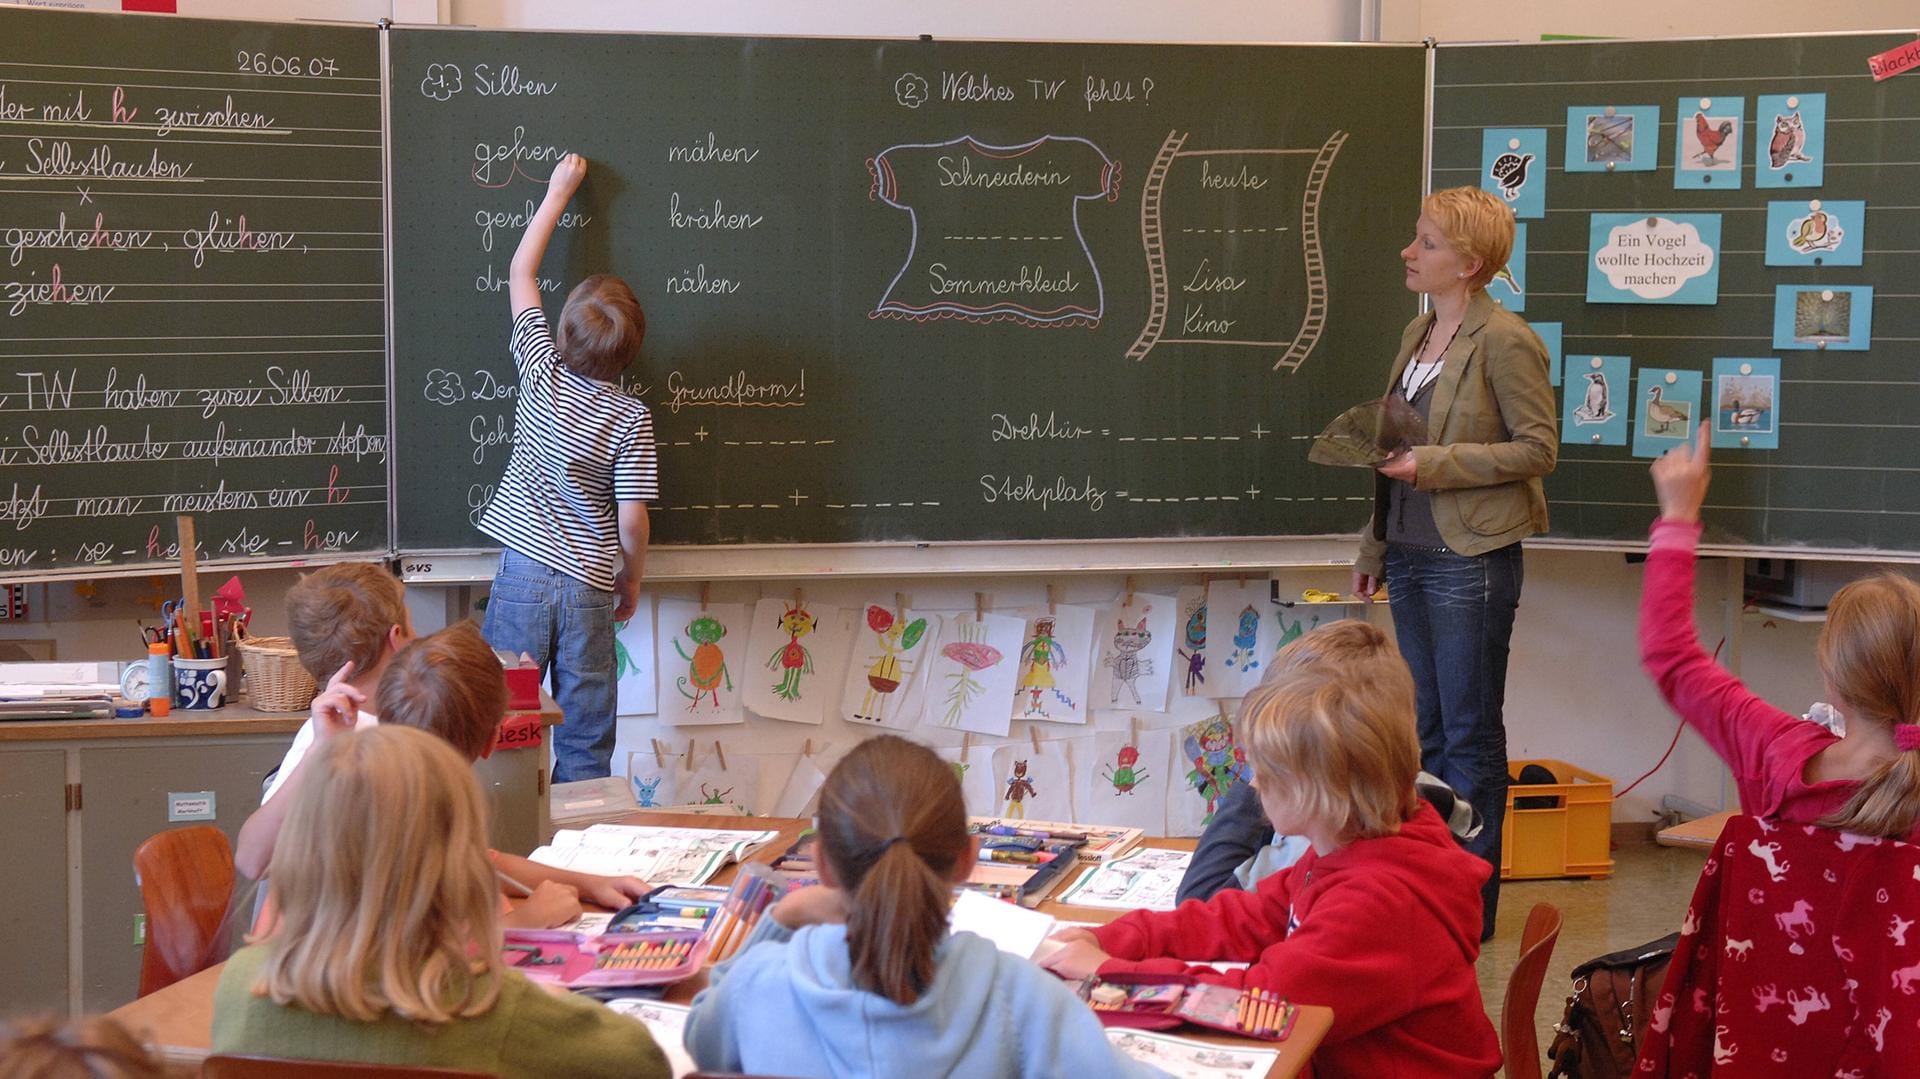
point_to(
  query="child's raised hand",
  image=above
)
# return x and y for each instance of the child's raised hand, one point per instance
(336, 710)
(1680, 479)
(551, 904)
(1076, 959)
(813, 905)
(612, 892)
(567, 176)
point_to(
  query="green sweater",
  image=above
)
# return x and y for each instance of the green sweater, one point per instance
(528, 1032)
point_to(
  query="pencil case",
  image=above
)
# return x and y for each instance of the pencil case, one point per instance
(586, 960)
(1163, 1001)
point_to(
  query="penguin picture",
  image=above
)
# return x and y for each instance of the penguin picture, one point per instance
(1595, 408)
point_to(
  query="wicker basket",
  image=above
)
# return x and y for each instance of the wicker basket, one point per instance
(276, 682)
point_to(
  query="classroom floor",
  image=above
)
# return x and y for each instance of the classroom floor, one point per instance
(1644, 899)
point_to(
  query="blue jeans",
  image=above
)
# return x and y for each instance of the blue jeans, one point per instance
(1453, 616)
(566, 625)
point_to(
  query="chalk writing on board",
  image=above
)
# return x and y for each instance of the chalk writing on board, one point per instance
(1206, 214)
(996, 232)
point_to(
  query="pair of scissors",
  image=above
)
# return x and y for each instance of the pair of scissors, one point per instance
(170, 609)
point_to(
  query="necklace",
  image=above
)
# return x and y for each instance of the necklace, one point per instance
(1410, 389)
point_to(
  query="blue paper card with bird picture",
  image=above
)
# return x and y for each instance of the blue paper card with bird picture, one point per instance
(1669, 407)
(1549, 333)
(1790, 140)
(1823, 317)
(1746, 403)
(1513, 165)
(1509, 286)
(1594, 409)
(1613, 138)
(1818, 232)
(1706, 152)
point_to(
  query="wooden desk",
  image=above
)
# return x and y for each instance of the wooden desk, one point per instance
(177, 1021)
(1697, 834)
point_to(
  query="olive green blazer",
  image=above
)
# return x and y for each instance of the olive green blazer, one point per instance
(1492, 425)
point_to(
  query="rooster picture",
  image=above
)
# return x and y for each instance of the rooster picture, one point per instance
(1712, 138)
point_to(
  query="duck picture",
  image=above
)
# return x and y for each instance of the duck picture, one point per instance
(1662, 415)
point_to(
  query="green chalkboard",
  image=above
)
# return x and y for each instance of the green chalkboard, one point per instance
(193, 290)
(1841, 477)
(917, 290)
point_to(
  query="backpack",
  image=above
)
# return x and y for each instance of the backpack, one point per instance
(1599, 1036)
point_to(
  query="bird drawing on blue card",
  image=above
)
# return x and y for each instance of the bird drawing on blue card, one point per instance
(1509, 171)
(1505, 275)
(1595, 408)
(1710, 137)
(1662, 415)
(1789, 141)
(1815, 232)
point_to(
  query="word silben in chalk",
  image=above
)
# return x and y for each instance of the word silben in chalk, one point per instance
(59, 158)
(1060, 492)
(960, 171)
(506, 81)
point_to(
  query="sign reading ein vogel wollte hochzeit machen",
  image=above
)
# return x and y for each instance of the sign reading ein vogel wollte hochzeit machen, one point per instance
(1637, 258)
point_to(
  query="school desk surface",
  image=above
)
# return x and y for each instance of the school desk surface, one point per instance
(178, 1021)
(1696, 834)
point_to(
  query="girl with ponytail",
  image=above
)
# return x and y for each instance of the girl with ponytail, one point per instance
(1865, 781)
(858, 977)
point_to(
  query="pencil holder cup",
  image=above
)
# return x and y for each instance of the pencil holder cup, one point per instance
(199, 684)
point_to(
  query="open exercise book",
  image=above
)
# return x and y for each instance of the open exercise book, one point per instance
(1147, 879)
(655, 855)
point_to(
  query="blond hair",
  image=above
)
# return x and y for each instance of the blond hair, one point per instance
(342, 614)
(1477, 226)
(449, 684)
(1330, 731)
(387, 901)
(91, 1047)
(601, 328)
(1870, 655)
(894, 828)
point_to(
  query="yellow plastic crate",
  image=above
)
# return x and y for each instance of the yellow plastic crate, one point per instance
(1571, 839)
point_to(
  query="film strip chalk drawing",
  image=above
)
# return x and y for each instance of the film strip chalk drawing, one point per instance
(1295, 347)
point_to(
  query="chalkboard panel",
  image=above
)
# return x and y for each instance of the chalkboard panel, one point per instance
(194, 290)
(917, 290)
(1841, 477)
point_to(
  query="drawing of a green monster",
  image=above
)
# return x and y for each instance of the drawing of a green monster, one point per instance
(1125, 776)
(792, 658)
(623, 663)
(708, 664)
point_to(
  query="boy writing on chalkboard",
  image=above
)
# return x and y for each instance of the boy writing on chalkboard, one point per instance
(571, 510)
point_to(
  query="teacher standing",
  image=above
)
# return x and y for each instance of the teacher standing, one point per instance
(1449, 516)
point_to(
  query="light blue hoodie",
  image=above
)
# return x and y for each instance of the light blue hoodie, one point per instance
(787, 1005)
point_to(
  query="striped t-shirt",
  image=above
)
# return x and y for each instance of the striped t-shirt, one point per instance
(579, 446)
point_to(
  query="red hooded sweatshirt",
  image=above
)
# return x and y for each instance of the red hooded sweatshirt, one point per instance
(1384, 931)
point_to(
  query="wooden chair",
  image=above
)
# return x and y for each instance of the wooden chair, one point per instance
(186, 883)
(245, 1067)
(1519, 1041)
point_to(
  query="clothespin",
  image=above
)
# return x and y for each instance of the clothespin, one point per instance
(1223, 711)
(1133, 730)
(807, 749)
(1033, 732)
(659, 753)
(966, 745)
(721, 753)
(799, 598)
(900, 604)
(1053, 599)
(689, 754)
(981, 601)
(1128, 602)
(706, 587)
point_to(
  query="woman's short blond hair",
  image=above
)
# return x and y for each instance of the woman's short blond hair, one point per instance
(387, 900)
(1477, 226)
(1331, 731)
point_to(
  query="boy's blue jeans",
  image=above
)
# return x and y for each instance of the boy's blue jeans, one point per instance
(566, 625)
(1453, 617)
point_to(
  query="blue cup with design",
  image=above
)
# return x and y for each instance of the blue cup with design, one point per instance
(199, 684)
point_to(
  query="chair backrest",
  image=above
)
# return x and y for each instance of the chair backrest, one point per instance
(245, 1067)
(186, 883)
(1519, 1041)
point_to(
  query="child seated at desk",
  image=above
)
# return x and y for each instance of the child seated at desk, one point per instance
(387, 949)
(858, 977)
(1334, 758)
(88, 1048)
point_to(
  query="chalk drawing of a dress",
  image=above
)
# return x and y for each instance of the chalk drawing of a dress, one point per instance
(995, 229)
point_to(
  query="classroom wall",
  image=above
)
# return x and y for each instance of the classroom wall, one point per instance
(1575, 690)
